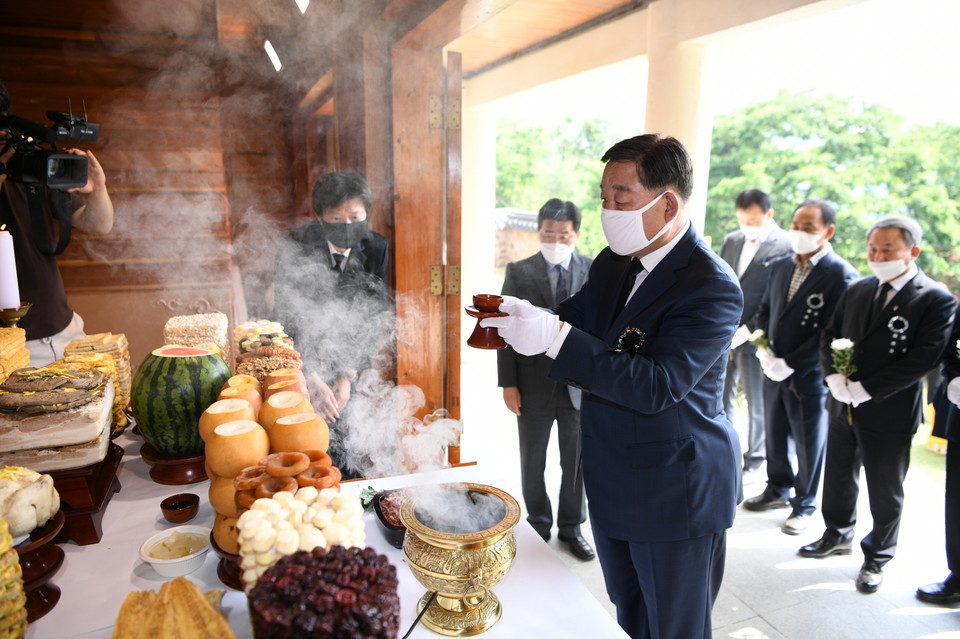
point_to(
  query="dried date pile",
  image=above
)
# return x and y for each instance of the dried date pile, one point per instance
(340, 592)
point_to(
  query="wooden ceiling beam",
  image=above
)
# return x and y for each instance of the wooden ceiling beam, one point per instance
(451, 20)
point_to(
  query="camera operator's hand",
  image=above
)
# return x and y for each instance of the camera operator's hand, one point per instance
(96, 178)
(96, 215)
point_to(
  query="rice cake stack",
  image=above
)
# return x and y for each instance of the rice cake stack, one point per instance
(13, 600)
(200, 330)
(13, 351)
(116, 346)
(106, 365)
(55, 436)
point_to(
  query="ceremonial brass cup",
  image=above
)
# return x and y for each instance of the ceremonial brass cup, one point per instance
(461, 567)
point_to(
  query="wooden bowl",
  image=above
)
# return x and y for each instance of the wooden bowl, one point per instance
(486, 303)
(180, 508)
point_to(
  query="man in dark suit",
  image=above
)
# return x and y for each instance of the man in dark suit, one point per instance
(647, 339)
(750, 251)
(800, 296)
(899, 321)
(545, 280)
(331, 296)
(947, 405)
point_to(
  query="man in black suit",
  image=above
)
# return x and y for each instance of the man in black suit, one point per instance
(545, 280)
(899, 322)
(947, 405)
(647, 339)
(331, 296)
(800, 296)
(750, 251)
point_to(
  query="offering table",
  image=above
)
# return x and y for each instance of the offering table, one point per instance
(541, 597)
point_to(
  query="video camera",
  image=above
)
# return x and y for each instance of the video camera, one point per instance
(33, 164)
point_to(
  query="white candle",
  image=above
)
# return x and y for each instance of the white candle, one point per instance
(9, 287)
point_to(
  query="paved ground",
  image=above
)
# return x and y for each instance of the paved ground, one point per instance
(768, 591)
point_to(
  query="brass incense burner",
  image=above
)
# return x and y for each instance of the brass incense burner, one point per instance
(461, 566)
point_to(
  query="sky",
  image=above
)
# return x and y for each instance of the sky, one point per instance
(872, 51)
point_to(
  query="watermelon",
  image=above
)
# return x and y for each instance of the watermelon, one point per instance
(171, 389)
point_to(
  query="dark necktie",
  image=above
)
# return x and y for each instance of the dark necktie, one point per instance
(880, 301)
(632, 272)
(337, 261)
(563, 289)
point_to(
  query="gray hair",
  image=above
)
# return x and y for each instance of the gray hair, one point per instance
(909, 228)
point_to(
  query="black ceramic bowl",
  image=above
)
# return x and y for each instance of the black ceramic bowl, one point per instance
(393, 533)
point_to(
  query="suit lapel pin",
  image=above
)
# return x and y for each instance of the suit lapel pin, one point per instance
(630, 341)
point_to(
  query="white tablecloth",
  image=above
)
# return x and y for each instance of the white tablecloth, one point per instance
(540, 596)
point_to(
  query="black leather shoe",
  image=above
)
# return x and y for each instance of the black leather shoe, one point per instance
(544, 535)
(762, 502)
(579, 547)
(870, 578)
(825, 547)
(942, 593)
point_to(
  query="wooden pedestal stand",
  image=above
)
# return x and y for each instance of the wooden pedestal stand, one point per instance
(84, 493)
(40, 561)
(228, 569)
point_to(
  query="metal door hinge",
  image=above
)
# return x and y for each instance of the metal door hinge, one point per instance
(435, 112)
(436, 280)
(445, 280)
(453, 112)
(440, 114)
(453, 279)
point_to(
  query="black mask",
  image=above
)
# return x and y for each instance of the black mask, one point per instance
(345, 235)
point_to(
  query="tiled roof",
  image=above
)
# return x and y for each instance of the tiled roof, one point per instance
(507, 219)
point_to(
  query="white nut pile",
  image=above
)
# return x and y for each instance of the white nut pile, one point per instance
(289, 522)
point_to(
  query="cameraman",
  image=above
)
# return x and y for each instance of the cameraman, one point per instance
(51, 324)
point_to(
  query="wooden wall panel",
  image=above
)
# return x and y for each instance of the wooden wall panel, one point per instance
(160, 146)
(257, 134)
(144, 312)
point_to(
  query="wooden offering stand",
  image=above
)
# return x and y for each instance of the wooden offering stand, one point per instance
(173, 471)
(228, 570)
(485, 306)
(84, 493)
(40, 561)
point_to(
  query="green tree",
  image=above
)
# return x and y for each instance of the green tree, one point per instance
(536, 163)
(865, 159)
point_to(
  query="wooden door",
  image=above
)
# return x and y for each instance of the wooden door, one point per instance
(426, 158)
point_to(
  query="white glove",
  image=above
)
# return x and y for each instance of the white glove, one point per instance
(740, 337)
(528, 329)
(765, 355)
(837, 384)
(953, 391)
(776, 369)
(858, 394)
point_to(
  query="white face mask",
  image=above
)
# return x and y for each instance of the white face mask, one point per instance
(556, 252)
(886, 271)
(624, 229)
(752, 232)
(804, 243)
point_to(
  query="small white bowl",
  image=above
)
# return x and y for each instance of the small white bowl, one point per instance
(181, 565)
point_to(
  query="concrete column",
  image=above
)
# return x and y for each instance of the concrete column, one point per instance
(678, 95)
